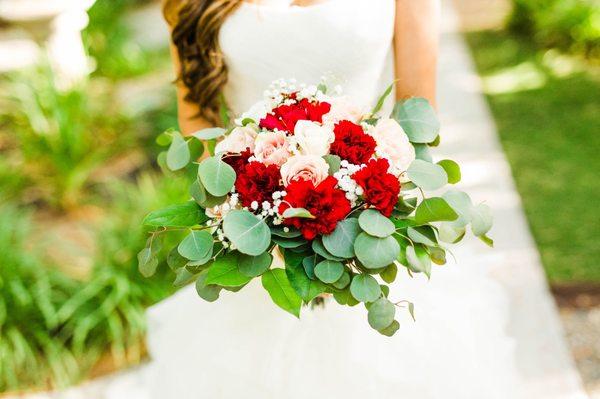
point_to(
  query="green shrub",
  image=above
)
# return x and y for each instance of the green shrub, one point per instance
(566, 24)
(32, 354)
(56, 140)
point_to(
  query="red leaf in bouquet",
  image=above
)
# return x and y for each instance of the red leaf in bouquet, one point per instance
(257, 182)
(352, 143)
(238, 161)
(327, 203)
(285, 116)
(381, 189)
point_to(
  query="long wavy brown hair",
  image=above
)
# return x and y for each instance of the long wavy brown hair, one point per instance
(195, 26)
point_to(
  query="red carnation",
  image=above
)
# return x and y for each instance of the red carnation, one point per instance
(238, 161)
(327, 203)
(352, 143)
(381, 189)
(284, 117)
(257, 182)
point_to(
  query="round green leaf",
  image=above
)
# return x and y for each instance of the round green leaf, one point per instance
(309, 264)
(418, 260)
(390, 273)
(343, 281)
(198, 192)
(422, 235)
(341, 242)
(391, 330)
(381, 314)
(329, 271)
(427, 175)
(462, 204)
(205, 291)
(147, 262)
(482, 219)
(418, 119)
(178, 154)
(365, 288)
(319, 248)
(253, 266)
(452, 170)
(224, 271)
(334, 163)
(297, 213)
(434, 209)
(375, 224)
(216, 176)
(210, 133)
(196, 245)
(375, 252)
(249, 234)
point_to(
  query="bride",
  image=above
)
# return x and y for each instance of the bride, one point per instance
(242, 346)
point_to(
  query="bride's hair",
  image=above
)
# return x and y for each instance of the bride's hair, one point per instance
(195, 28)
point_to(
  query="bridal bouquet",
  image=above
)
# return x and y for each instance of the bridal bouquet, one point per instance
(337, 193)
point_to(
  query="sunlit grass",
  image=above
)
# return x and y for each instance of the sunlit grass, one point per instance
(547, 108)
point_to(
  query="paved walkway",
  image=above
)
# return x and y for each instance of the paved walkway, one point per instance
(470, 138)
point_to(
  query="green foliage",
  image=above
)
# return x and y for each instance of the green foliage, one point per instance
(566, 24)
(278, 286)
(558, 118)
(59, 141)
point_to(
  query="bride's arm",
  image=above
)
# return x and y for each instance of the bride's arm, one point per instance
(416, 48)
(187, 113)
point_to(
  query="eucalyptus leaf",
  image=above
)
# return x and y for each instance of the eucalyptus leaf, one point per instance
(375, 252)
(289, 242)
(462, 204)
(418, 119)
(209, 293)
(249, 234)
(391, 329)
(418, 260)
(427, 175)
(216, 176)
(319, 248)
(434, 209)
(342, 281)
(344, 297)
(147, 262)
(365, 288)
(450, 234)
(452, 170)
(196, 245)
(183, 277)
(309, 264)
(390, 273)
(381, 314)
(297, 213)
(422, 235)
(290, 233)
(375, 224)
(334, 163)
(178, 154)
(253, 266)
(198, 192)
(175, 260)
(210, 133)
(340, 243)
(281, 292)
(329, 271)
(305, 287)
(422, 152)
(482, 219)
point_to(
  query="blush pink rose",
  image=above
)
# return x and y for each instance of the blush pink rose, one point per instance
(271, 148)
(304, 167)
(342, 108)
(393, 144)
(312, 138)
(238, 140)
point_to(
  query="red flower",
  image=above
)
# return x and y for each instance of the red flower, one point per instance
(381, 189)
(238, 161)
(284, 117)
(257, 182)
(327, 203)
(352, 143)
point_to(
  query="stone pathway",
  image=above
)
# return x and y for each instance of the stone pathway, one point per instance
(471, 139)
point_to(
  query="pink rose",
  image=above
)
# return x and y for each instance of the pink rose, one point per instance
(304, 167)
(238, 140)
(271, 148)
(393, 144)
(342, 109)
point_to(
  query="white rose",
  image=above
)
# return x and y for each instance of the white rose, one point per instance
(304, 167)
(312, 138)
(238, 140)
(256, 112)
(393, 144)
(342, 108)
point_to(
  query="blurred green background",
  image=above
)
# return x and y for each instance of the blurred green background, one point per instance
(78, 172)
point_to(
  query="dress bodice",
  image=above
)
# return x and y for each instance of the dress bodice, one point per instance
(349, 41)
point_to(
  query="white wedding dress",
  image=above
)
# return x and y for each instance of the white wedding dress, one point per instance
(243, 346)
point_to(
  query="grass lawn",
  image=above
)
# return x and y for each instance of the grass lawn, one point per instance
(547, 109)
